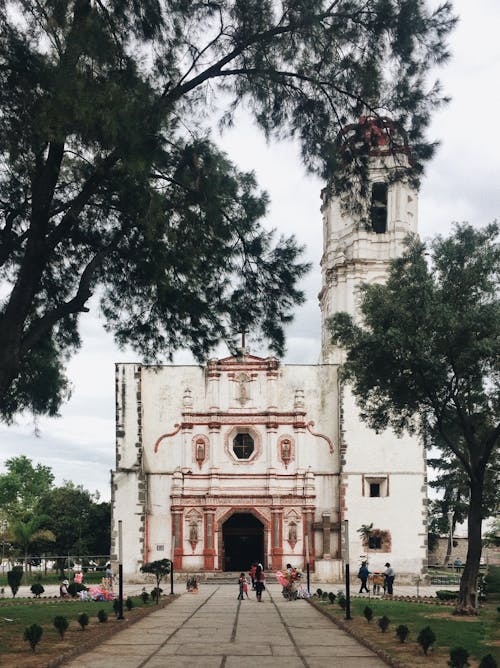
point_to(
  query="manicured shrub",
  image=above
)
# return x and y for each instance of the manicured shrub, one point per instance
(129, 603)
(459, 658)
(14, 578)
(61, 624)
(156, 593)
(102, 616)
(331, 597)
(383, 623)
(83, 620)
(446, 595)
(145, 596)
(33, 635)
(402, 632)
(324, 595)
(368, 613)
(37, 589)
(426, 638)
(319, 592)
(488, 661)
(341, 600)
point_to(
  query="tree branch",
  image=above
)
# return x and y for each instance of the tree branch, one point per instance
(44, 325)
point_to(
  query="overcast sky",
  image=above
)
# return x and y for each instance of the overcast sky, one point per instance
(462, 184)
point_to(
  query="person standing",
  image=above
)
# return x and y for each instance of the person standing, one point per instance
(378, 581)
(363, 574)
(251, 573)
(389, 578)
(241, 584)
(260, 579)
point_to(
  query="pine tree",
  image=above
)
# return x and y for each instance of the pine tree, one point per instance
(110, 184)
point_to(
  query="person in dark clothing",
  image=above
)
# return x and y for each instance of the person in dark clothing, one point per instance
(389, 578)
(259, 581)
(241, 582)
(252, 575)
(363, 576)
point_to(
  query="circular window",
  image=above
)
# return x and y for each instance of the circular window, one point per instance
(243, 445)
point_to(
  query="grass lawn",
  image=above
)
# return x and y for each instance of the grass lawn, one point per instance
(479, 635)
(15, 616)
(92, 577)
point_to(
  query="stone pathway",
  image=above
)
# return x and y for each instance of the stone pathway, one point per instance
(212, 629)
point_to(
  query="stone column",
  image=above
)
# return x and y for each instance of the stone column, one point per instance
(326, 526)
(307, 515)
(178, 537)
(209, 538)
(277, 537)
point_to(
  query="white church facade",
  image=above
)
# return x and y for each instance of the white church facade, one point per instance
(246, 459)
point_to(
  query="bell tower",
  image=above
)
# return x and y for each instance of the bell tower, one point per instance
(359, 241)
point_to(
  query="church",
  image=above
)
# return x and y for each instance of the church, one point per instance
(246, 459)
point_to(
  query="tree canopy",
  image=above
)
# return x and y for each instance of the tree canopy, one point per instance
(22, 485)
(111, 185)
(425, 359)
(81, 525)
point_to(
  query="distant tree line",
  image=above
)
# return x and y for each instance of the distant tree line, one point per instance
(37, 518)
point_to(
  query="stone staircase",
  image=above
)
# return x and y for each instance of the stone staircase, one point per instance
(216, 578)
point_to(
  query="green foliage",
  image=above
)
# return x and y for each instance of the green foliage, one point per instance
(33, 635)
(478, 637)
(426, 638)
(445, 595)
(83, 620)
(37, 589)
(331, 597)
(25, 532)
(14, 578)
(129, 604)
(110, 180)
(426, 358)
(488, 661)
(160, 569)
(459, 658)
(368, 613)
(324, 595)
(492, 580)
(144, 596)
(156, 593)
(319, 592)
(492, 536)
(79, 522)
(61, 624)
(341, 600)
(102, 616)
(22, 485)
(402, 632)
(383, 623)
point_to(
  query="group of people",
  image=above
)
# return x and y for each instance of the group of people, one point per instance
(258, 579)
(379, 579)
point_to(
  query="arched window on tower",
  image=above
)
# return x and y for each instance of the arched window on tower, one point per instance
(378, 209)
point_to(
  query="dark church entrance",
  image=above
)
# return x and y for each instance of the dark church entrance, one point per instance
(243, 538)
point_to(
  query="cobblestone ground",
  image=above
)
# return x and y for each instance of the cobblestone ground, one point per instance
(212, 629)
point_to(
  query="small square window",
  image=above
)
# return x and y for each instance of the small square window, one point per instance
(375, 486)
(375, 542)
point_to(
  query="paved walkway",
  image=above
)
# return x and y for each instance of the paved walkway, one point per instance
(212, 629)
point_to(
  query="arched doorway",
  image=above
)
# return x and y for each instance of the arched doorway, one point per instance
(243, 540)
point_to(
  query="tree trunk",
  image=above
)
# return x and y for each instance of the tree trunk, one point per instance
(468, 583)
